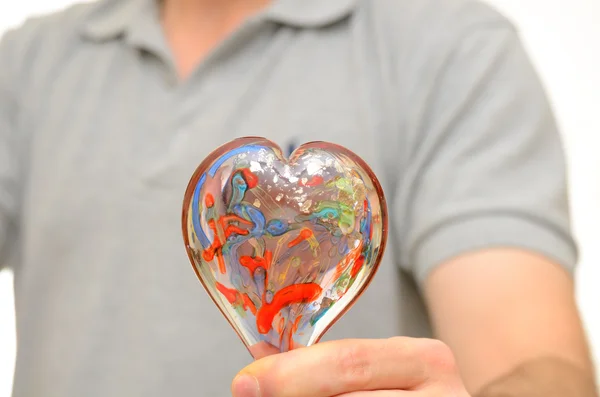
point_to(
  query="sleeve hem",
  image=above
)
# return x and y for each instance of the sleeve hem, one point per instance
(491, 231)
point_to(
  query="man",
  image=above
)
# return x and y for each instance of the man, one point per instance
(107, 108)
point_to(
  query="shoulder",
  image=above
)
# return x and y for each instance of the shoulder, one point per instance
(430, 29)
(416, 39)
(39, 41)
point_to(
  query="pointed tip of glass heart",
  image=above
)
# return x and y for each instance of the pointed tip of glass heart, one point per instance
(262, 349)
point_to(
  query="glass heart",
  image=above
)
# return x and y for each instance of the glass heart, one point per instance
(283, 247)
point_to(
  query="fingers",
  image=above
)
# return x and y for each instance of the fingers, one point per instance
(334, 368)
(427, 392)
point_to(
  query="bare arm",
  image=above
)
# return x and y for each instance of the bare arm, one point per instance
(546, 376)
(511, 319)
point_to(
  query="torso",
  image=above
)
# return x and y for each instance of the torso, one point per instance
(107, 301)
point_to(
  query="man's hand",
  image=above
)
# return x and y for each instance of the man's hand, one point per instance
(355, 368)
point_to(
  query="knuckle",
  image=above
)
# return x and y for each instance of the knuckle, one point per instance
(354, 365)
(438, 356)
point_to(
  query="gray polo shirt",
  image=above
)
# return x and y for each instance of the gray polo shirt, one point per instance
(98, 141)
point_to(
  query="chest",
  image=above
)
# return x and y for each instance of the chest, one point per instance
(114, 141)
(114, 122)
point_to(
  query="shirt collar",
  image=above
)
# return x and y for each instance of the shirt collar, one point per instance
(111, 19)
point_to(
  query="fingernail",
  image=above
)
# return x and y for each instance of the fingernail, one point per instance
(245, 386)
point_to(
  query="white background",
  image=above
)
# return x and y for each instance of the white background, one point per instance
(563, 38)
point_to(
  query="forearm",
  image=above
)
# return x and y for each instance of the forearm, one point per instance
(545, 377)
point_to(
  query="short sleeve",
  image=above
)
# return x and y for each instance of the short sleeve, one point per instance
(8, 150)
(487, 168)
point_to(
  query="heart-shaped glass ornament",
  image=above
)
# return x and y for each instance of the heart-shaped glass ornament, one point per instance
(283, 247)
